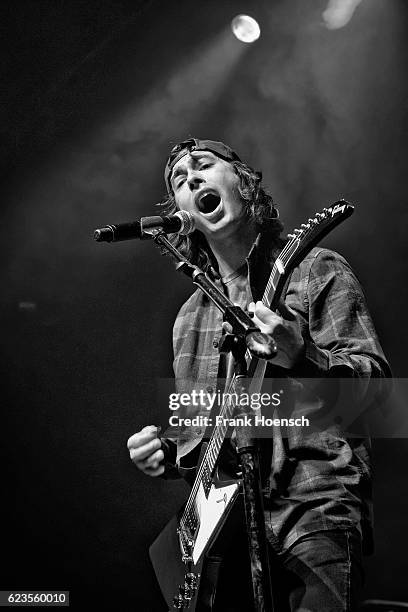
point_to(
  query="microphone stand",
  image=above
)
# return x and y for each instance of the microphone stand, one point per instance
(244, 336)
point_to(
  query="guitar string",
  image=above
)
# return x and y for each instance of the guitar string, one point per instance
(218, 435)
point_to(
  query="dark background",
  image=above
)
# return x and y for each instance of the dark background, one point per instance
(93, 95)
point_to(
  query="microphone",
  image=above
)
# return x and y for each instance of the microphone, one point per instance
(181, 222)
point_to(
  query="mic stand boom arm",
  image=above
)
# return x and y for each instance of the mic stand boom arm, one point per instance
(244, 336)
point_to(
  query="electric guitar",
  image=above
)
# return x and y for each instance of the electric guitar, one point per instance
(186, 554)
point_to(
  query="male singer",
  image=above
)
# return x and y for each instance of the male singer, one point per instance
(317, 488)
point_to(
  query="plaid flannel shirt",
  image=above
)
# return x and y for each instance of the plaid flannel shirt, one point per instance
(314, 480)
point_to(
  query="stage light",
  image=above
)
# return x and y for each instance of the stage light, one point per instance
(245, 28)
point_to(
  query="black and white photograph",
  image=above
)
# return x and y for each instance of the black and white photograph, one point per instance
(203, 306)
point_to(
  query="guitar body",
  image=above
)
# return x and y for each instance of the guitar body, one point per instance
(194, 580)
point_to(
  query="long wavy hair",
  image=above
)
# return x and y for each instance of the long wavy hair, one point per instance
(259, 208)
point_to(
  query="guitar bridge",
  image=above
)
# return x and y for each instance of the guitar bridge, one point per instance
(186, 545)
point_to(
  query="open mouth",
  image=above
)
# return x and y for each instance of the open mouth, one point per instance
(208, 203)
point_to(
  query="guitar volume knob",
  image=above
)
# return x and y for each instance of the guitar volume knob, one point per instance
(191, 581)
(186, 592)
(178, 602)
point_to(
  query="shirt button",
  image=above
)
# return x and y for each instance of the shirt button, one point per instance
(216, 343)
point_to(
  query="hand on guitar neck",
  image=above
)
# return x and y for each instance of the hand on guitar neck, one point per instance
(146, 452)
(284, 328)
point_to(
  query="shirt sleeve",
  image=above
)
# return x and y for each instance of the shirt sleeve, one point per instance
(169, 445)
(340, 338)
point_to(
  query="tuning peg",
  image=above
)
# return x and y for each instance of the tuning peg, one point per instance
(291, 236)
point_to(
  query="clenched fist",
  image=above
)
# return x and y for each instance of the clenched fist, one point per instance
(145, 450)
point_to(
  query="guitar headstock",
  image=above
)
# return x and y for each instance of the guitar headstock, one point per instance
(302, 240)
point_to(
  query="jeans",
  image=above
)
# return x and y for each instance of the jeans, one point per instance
(321, 571)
